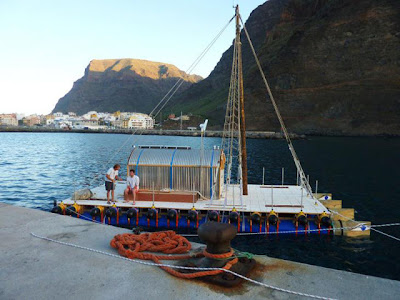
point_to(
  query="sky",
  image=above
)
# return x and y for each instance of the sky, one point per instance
(45, 45)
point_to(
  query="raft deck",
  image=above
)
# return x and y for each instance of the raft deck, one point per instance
(287, 199)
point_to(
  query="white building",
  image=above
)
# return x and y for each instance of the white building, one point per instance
(103, 115)
(58, 115)
(62, 124)
(140, 121)
(82, 123)
(91, 115)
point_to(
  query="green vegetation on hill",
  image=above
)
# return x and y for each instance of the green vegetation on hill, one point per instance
(333, 66)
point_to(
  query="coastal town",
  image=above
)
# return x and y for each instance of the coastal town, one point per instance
(120, 122)
(92, 120)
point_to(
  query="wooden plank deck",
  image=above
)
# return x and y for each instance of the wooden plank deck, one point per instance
(283, 199)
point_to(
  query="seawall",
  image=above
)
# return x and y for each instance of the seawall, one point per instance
(209, 133)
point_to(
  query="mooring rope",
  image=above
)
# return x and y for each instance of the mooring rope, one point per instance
(179, 267)
(372, 226)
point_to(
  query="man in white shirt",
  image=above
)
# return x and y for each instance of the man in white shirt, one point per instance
(111, 176)
(132, 186)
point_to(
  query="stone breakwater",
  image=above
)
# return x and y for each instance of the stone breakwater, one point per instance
(211, 133)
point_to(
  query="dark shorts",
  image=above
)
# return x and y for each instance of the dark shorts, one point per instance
(110, 186)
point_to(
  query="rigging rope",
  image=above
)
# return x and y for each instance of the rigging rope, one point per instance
(115, 153)
(303, 178)
(178, 84)
(169, 94)
(231, 142)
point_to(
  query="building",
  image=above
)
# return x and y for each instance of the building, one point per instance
(58, 114)
(43, 119)
(62, 124)
(8, 120)
(31, 120)
(49, 120)
(85, 124)
(139, 121)
(91, 115)
(118, 123)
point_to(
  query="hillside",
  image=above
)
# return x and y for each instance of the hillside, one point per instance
(333, 66)
(122, 84)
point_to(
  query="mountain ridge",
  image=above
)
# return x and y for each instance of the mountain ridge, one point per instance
(333, 67)
(122, 84)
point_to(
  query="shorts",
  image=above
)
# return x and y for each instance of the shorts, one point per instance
(110, 186)
(131, 191)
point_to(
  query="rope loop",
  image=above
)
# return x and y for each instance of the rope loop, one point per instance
(134, 246)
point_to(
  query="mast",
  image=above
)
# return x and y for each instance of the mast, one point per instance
(242, 114)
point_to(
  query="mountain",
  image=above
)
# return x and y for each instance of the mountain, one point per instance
(333, 66)
(122, 84)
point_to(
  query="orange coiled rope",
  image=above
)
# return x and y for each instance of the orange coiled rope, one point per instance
(132, 246)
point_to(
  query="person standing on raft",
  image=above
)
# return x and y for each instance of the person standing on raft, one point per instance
(132, 186)
(111, 176)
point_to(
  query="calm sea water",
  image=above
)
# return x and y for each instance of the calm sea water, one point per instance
(37, 168)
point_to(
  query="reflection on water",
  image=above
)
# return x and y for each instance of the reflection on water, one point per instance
(37, 168)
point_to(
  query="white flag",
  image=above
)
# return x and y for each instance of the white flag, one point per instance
(204, 125)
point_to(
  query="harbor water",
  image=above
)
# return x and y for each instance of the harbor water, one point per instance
(37, 168)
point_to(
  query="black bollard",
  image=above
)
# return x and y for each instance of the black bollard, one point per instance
(217, 236)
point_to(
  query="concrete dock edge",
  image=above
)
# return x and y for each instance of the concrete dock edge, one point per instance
(35, 269)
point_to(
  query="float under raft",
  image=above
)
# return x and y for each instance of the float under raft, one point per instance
(269, 209)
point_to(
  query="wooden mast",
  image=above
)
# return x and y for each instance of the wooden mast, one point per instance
(242, 114)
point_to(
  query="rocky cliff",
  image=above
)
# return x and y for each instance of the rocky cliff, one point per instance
(333, 65)
(122, 84)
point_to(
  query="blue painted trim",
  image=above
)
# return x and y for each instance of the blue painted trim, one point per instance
(170, 169)
(211, 172)
(137, 162)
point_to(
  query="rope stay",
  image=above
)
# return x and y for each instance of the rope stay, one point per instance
(231, 142)
(303, 179)
(180, 81)
(167, 97)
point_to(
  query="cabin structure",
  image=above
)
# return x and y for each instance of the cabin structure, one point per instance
(179, 169)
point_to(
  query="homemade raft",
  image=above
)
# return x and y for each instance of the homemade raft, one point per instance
(167, 199)
(182, 188)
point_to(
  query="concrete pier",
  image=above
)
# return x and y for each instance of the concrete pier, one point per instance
(32, 268)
